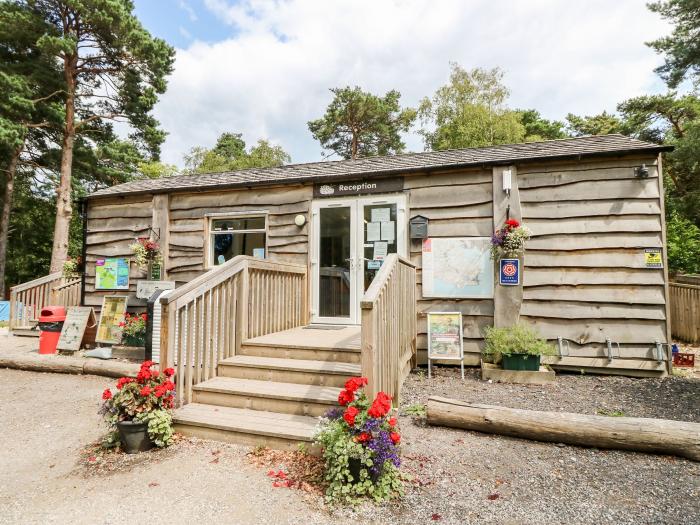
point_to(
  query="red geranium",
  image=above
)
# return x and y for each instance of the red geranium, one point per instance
(345, 397)
(355, 383)
(363, 437)
(395, 438)
(512, 223)
(146, 391)
(107, 394)
(392, 422)
(124, 381)
(169, 372)
(350, 415)
(380, 406)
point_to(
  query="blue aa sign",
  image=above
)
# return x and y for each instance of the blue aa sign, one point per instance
(510, 272)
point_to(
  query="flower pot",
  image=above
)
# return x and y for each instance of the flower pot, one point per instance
(355, 466)
(134, 437)
(134, 340)
(528, 362)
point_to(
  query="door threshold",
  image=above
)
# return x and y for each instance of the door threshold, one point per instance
(327, 326)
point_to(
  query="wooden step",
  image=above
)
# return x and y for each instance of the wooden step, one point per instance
(301, 371)
(307, 352)
(271, 396)
(246, 427)
(25, 332)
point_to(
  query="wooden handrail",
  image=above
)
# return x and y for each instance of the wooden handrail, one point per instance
(27, 299)
(389, 327)
(206, 320)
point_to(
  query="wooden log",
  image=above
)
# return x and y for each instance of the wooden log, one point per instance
(678, 438)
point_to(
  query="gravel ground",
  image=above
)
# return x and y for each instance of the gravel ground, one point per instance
(459, 476)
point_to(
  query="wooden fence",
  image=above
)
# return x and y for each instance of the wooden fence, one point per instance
(204, 321)
(389, 327)
(684, 293)
(27, 300)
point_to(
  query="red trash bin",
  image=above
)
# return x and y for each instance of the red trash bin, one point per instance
(50, 325)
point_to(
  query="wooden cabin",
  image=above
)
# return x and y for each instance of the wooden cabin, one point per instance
(291, 279)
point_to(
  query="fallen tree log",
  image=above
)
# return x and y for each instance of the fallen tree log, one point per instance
(664, 436)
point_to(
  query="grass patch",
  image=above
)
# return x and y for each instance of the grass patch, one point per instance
(610, 413)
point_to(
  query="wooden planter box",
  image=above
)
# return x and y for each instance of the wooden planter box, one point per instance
(133, 353)
(493, 372)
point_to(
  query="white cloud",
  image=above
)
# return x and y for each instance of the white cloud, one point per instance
(188, 9)
(273, 74)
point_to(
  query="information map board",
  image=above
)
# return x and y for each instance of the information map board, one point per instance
(111, 316)
(112, 274)
(445, 338)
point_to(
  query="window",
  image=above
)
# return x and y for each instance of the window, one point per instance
(236, 235)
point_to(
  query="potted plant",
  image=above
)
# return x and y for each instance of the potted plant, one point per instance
(509, 241)
(517, 347)
(138, 412)
(147, 255)
(134, 329)
(360, 443)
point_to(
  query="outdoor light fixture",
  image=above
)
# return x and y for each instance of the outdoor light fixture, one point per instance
(300, 220)
(642, 171)
(507, 181)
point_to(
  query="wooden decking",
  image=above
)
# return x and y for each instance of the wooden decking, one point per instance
(274, 390)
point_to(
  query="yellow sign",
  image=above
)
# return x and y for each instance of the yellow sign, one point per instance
(652, 258)
(111, 316)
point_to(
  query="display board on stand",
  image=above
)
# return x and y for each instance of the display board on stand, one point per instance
(445, 340)
(111, 316)
(78, 329)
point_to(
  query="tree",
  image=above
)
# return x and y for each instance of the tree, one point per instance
(682, 47)
(30, 85)
(538, 128)
(470, 112)
(113, 70)
(602, 124)
(230, 154)
(359, 124)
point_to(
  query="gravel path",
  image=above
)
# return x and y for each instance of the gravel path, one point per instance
(459, 476)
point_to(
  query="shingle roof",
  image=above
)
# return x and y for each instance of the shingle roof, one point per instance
(393, 164)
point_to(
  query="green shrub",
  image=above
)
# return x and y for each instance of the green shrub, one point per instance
(517, 339)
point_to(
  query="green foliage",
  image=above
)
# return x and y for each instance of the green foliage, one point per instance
(417, 410)
(538, 128)
(359, 124)
(602, 124)
(517, 339)
(230, 154)
(683, 244)
(681, 49)
(610, 413)
(470, 112)
(160, 426)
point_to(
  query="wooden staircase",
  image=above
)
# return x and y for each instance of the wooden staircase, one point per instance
(273, 391)
(248, 368)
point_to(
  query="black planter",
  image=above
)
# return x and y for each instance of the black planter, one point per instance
(356, 466)
(134, 437)
(528, 362)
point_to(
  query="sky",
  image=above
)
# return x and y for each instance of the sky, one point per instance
(264, 68)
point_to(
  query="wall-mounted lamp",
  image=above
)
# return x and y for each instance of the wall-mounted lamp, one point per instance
(300, 220)
(507, 181)
(642, 171)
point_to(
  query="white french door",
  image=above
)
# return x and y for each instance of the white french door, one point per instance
(351, 239)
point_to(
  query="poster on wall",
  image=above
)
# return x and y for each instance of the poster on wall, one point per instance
(112, 274)
(111, 316)
(458, 267)
(509, 274)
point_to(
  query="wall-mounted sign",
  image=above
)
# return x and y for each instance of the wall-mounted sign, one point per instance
(112, 274)
(509, 272)
(360, 187)
(652, 258)
(111, 316)
(458, 267)
(145, 289)
(78, 328)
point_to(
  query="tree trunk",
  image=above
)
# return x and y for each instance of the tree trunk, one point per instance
(64, 209)
(679, 438)
(5, 218)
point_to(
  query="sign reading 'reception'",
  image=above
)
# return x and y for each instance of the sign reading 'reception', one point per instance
(358, 187)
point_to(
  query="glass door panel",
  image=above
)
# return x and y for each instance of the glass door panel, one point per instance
(380, 238)
(335, 280)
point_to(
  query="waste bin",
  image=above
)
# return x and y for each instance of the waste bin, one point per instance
(50, 325)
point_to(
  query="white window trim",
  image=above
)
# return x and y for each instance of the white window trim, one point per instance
(210, 217)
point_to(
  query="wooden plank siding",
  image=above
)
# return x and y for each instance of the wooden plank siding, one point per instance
(458, 204)
(585, 276)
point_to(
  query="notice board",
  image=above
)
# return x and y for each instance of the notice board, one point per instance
(78, 328)
(111, 316)
(112, 274)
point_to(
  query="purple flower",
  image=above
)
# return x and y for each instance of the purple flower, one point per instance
(334, 413)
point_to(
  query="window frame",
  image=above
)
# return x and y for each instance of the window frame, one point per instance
(211, 217)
